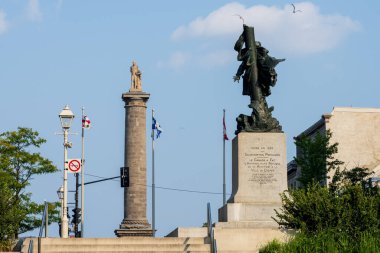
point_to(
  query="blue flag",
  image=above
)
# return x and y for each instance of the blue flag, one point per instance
(156, 126)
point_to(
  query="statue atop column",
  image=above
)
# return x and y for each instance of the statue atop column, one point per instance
(135, 77)
(257, 69)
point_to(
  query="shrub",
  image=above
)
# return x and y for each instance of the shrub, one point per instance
(352, 210)
(327, 241)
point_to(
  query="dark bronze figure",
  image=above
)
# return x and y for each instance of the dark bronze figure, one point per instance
(257, 69)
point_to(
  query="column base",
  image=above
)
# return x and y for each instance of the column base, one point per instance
(122, 232)
(134, 228)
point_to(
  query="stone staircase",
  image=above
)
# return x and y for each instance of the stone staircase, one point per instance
(124, 244)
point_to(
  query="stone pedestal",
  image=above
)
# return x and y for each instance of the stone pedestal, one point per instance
(258, 177)
(135, 222)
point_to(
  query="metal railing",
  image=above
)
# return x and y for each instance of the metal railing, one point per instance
(44, 224)
(210, 229)
(30, 248)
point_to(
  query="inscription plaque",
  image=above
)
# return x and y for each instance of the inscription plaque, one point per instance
(262, 164)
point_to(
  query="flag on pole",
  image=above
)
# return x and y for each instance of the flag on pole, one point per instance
(225, 137)
(86, 123)
(156, 126)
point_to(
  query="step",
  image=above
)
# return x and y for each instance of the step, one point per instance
(153, 251)
(126, 247)
(122, 240)
(125, 244)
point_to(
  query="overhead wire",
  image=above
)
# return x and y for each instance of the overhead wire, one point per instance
(163, 188)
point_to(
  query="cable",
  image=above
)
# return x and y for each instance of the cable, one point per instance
(184, 190)
(164, 188)
(93, 175)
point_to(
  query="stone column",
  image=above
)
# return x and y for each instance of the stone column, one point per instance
(135, 222)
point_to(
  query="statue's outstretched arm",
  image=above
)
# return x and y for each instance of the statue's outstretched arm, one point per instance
(239, 72)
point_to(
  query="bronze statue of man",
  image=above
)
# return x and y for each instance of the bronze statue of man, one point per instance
(257, 69)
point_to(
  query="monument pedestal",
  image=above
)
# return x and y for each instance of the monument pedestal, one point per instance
(258, 178)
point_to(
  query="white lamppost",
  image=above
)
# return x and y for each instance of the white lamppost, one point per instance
(66, 116)
(60, 197)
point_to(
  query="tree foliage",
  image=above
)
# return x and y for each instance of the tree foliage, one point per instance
(18, 164)
(316, 158)
(344, 217)
(351, 207)
(8, 208)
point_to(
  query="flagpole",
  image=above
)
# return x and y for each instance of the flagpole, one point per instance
(224, 159)
(153, 185)
(82, 179)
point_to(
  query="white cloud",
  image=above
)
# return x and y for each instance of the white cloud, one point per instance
(3, 22)
(303, 32)
(216, 58)
(175, 61)
(203, 58)
(33, 10)
(219, 22)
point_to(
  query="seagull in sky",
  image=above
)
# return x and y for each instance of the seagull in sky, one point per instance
(239, 17)
(294, 9)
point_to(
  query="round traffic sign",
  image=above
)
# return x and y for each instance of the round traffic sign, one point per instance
(74, 165)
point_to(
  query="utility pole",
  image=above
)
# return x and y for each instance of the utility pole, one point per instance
(76, 204)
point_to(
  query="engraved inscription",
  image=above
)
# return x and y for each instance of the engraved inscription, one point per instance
(263, 162)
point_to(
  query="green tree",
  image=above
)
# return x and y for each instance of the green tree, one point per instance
(8, 208)
(356, 176)
(344, 217)
(316, 158)
(18, 164)
(353, 208)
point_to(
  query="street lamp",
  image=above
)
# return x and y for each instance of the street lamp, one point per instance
(60, 193)
(66, 116)
(60, 197)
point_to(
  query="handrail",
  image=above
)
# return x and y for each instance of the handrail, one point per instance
(44, 223)
(30, 248)
(44, 220)
(210, 229)
(209, 222)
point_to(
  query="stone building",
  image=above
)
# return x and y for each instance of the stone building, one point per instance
(357, 130)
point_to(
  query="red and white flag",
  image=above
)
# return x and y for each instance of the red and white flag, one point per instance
(86, 123)
(224, 127)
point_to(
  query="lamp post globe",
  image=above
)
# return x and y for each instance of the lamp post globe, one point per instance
(66, 117)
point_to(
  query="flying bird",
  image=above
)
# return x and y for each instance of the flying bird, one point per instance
(294, 9)
(239, 17)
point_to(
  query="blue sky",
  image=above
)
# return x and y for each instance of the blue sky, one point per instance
(54, 53)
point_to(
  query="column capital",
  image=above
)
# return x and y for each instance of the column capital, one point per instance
(135, 98)
(135, 95)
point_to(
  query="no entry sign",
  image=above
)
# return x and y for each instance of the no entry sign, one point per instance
(74, 165)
